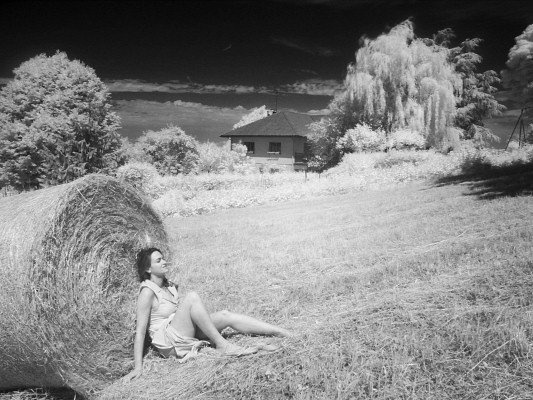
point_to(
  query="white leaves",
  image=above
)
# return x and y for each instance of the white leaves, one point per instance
(399, 81)
(519, 73)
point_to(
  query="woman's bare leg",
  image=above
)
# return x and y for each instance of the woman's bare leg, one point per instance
(192, 318)
(245, 324)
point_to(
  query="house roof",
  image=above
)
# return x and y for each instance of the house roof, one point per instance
(283, 123)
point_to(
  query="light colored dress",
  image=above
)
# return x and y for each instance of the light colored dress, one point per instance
(165, 339)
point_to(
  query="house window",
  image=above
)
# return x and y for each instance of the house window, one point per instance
(274, 147)
(250, 146)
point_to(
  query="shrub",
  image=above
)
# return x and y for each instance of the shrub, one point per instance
(238, 160)
(406, 139)
(140, 175)
(397, 158)
(361, 138)
(170, 150)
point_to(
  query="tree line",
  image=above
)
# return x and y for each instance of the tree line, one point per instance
(57, 121)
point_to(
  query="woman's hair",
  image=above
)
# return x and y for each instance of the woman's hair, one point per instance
(144, 261)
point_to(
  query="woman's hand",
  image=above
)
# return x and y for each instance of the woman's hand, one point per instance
(137, 372)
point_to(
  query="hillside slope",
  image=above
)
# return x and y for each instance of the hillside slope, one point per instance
(422, 292)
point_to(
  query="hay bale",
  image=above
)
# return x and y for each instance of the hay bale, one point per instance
(69, 283)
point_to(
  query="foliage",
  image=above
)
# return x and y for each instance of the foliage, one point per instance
(518, 76)
(254, 115)
(481, 136)
(211, 157)
(406, 139)
(170, 150)
(401, 84)
(398, 81)
(239, 161)
(214, 158)
(138, 174)
(362, 138)
(185, 195)
(322, 138)
(56, 124)
(475, 100)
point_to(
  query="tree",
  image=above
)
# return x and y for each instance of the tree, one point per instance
(254, 115)
(223, 158)
(518, 76)
(56, 124)
(401, 83)
(210, 157)
(475, 99)
(396, 82)
(170, 150)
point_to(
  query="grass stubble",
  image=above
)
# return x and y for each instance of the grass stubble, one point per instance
(421, 292)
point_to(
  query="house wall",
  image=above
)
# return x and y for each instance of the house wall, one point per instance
(261, 156)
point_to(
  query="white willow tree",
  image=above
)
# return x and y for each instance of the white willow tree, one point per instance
(398, 81)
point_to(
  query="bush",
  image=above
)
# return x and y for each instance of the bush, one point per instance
(218, 159)
(142, 176)
(239, 161)
(170, 150)
(406, 139)
(360, 139)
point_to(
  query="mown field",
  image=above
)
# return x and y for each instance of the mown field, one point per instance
(421, 292)
(417, 291)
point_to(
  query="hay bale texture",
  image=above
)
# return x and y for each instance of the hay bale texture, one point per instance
(69, 283)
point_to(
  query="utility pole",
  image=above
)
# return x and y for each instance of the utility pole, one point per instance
(521, 130)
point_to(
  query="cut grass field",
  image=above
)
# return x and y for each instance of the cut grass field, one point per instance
(417, 292)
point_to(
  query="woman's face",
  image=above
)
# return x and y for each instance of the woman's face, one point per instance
(158, 265)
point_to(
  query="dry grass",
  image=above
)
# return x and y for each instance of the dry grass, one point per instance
(415, 293)
(68, 279)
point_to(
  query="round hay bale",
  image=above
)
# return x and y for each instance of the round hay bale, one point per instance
(69, 282)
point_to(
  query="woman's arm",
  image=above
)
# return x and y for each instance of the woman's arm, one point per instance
(144, 306)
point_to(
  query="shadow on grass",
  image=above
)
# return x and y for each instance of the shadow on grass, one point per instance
(45, 394)
(489, 182)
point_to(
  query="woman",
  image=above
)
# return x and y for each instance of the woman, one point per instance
(180, 329)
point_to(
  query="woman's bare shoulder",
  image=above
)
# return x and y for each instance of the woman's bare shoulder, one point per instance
(145, 295)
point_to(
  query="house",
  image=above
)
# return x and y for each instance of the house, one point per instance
(276, 142)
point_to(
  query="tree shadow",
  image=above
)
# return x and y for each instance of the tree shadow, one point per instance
(489, 182)
(59, 393)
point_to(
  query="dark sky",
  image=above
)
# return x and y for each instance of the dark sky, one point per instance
(204, 64)
(239, 42)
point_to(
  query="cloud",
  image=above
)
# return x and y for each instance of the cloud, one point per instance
(135, 85)
(304, 47)
(313, 87)
(324, 111)
(205, 123)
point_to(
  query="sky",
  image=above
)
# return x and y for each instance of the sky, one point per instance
(203, 64)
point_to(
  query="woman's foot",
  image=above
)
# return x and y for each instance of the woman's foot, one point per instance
(284, 333)
(232, 350)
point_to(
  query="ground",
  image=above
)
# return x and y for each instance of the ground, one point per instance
(419, 292)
